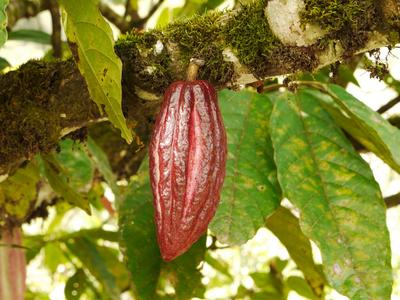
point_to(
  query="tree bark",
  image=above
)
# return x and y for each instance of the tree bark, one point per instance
(41, 102)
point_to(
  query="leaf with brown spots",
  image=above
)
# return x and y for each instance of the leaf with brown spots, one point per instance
(92, 45)
(340, 204)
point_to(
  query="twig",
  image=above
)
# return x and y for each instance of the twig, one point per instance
(140, 23)
(388, 105)
(392, 201)
(56, 29)
(112, 16)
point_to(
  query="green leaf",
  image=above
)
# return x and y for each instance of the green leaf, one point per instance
(134, 4)
(137, 226)
(267, 282)
(141, 249)
(185, 270)
(346, 75)
(91, 42)
(76, 164)
(3, 22)
(364, 124)
(251, 191)
(101, 161)
(218, 265)
(335, 192)
(91, 258)
(18, 193)
(116, 267)
(58, 180)
(285, 226)
(300, 286)
(76, 285)
(211, 4)
(53, 256)
(30, 35)
(4, 63)
(33, 244)
(163, 18)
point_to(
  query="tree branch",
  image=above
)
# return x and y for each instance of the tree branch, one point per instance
(18, 9)
(392, 201)
(389, 105)
(56, 29)
(141, 22)
(41, 102)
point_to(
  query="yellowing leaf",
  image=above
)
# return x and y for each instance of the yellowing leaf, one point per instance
(340, 204)
(91, 42)
(18, 193)
(3, 22)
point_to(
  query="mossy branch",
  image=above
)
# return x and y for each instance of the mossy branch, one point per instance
(40, 102)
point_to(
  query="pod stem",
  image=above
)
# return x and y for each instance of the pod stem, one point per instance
(193, 68)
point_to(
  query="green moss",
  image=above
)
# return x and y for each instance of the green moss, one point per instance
(394, 28)
(32, 118)
(249, 34)
(334, 15)
(142, 66)
(202, 37)
(344, 20)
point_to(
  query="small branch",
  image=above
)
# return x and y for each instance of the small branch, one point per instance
(112, 16)
(56, 29)
(392, 201)
(140, 23)
(18, 9)
(388, 105)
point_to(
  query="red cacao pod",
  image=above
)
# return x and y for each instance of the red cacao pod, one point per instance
(12, 265)
(187, 164)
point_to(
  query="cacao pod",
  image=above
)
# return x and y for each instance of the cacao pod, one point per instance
(187, 164)
(12, 265)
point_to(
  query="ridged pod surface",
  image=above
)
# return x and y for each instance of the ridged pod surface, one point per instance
(12, 265)
(187, 164)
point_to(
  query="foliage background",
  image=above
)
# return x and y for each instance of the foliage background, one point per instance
(51, 271)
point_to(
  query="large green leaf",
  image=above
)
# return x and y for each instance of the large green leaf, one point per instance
(251, 191)
(141, 249)
(58, 179)
(3, 22)
(285, 226)
(91, 258)
(364, 124)
(91, 42)
(340, 203)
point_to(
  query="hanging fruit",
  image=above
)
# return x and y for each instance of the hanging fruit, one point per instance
(187, 163)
